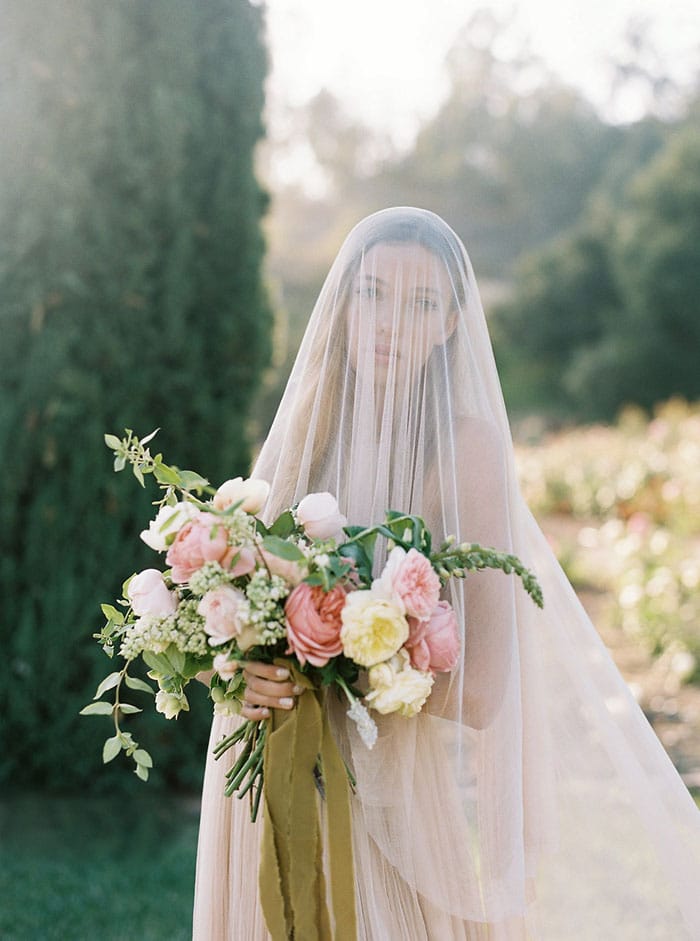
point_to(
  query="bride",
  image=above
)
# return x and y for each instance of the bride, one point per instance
(531, 800)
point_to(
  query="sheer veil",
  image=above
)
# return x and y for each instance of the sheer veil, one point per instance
(531, 800)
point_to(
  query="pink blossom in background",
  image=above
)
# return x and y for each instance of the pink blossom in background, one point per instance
(202, 539)
(314, 623)
(435, 644)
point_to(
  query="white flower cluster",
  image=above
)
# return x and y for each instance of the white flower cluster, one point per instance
(240, 527)
(366, 726)
(184, 629)
(263, 611)
(208, 577)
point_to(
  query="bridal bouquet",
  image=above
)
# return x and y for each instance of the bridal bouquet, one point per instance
(299, 593)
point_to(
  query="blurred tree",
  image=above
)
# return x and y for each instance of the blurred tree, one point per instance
(130, 295)
(609, 313)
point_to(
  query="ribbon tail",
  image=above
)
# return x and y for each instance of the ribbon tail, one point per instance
(340, 852)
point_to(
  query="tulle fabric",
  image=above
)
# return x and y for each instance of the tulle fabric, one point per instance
(531, 800)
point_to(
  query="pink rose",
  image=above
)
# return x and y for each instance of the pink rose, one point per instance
(226, 668)
(149, 594)
(220, 609)
(435, 644)
(410, 578)
(291, 572)
(202, 539)
(244, 563)
(320, 516)
(313, 623)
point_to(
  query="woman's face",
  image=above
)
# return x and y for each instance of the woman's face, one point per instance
(401, 307)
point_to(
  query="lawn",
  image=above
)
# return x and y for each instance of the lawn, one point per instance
(74, 869)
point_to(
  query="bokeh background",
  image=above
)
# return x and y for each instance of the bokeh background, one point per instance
(175, 179)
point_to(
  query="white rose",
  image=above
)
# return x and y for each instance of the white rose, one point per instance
(396, 687)
(252, 492)
(149, 595)
(168, 522)
(320, 516)
(171, 704)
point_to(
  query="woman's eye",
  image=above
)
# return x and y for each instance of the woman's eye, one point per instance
(426, 304)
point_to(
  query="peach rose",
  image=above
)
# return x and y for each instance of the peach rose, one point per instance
(435, 644)
(320, 516)
(410, 579)
(313, 623)
(220, 609)
(290, 571)
(201, 540)
(244, 561)
(149, 594)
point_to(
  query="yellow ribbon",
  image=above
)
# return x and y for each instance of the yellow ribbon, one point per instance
(291, 879)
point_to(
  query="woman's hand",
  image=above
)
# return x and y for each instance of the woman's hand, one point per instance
(267, 687)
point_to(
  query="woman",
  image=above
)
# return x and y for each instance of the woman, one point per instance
(531, 799)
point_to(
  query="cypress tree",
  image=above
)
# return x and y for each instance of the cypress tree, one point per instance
(130, 296)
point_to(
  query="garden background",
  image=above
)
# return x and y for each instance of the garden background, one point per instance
(154, 272)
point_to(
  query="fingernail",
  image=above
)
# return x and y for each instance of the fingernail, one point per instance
(286, 702)
(282, 674)
(297, 690)
(264, 711)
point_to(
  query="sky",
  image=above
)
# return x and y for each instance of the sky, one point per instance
(384, 59)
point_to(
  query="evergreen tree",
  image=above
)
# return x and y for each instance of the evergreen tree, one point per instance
(130, 295)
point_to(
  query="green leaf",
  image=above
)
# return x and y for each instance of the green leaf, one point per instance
(157, 662)
(119, 464)
(176, 658)
(192, 480)
(98, 709)
(149, 437)
(127, 708)
(167, 475)
(111, 613)
(112, 442)
(141, 757)
(133, 682)
(141, 771)
(138, 474)
(111, 749)
(283, 526)
(109, 682)
(282, 549)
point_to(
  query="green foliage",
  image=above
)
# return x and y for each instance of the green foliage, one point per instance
(130, 295)
(609, 311)
(135, 880)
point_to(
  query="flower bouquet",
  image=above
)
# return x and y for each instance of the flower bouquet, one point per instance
(299, 593)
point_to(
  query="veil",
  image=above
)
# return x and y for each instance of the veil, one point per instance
(530, 800)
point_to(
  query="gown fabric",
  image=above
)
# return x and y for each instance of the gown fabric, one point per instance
(530, 800)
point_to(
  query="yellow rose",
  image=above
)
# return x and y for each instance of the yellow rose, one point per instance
(396, 687)
(373, 628)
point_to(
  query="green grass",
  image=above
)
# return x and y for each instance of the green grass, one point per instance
(75, 869)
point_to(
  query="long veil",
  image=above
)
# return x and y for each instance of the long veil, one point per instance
(531, 799)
